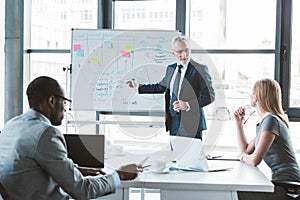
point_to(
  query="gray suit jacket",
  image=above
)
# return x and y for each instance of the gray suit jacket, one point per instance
(34, 163)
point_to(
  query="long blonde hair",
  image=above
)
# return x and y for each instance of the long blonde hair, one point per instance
(268, 93)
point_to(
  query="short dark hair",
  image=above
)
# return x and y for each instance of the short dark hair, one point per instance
(40, 89)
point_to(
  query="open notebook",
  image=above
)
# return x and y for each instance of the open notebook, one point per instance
(86, 150)
(191, 157)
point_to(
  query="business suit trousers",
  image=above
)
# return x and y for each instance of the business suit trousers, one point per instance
(178, 129)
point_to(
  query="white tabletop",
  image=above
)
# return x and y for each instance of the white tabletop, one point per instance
(241, 176)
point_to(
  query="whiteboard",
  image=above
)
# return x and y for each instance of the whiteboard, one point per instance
(102, 61)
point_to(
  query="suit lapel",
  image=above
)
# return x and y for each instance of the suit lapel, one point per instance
(188, 74)
(170, 74)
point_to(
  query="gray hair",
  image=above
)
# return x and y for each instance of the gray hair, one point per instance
(180, 39)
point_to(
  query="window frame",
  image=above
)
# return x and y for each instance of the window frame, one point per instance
(283, 57)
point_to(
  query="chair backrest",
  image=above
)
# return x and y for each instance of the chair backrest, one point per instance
(3, 193)
(292, 188)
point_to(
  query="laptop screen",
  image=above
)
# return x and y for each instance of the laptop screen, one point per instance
(86, 150)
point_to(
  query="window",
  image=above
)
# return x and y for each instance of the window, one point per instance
(232, 24)
(64, 16)
(144, 14)
(51, 25)
(295, 58)
(238, 35)
(233, 79)
(234, 38)
(86, 16)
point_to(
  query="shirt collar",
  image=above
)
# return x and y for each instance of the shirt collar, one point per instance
(186, 64)
(39, 116)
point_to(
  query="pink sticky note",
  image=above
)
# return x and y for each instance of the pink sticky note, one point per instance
(125, 54)
(76, 47)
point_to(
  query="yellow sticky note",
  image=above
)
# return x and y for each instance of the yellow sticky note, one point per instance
(128, 48)
(95, 61)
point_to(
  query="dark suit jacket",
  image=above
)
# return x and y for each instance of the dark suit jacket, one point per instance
(196, 89)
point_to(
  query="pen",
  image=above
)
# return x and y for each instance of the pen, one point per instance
(214, 157)
(249, 116)
(144, 160)
(146, 166)
(209, 157)
(171, 146)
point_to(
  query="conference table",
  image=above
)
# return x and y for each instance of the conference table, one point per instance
(189, 185)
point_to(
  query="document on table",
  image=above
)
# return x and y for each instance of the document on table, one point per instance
(193, 169)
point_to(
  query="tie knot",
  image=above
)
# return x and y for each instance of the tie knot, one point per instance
(180, 67)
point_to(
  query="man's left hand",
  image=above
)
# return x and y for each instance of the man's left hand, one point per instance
(180, 105)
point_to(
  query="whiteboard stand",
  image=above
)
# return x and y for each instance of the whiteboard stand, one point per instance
(97, 125)
(68, 71)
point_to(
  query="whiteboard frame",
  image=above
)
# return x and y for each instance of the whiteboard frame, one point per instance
(109, 110)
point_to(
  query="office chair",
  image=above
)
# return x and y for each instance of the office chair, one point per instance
(292, 188)
(3, 193)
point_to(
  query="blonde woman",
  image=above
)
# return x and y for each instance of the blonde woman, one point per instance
(272, 142)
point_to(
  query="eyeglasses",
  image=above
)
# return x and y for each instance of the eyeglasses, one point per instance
(66, 101)
(180, 51)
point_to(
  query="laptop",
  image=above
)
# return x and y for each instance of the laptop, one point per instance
(86, 150)
(189, 156)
